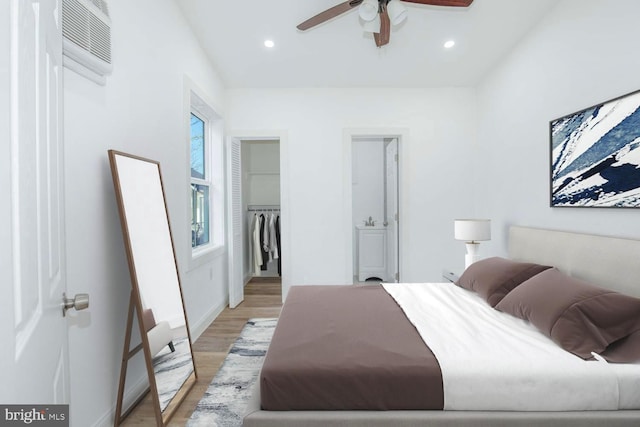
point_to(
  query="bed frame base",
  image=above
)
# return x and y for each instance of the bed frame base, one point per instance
(255, 417)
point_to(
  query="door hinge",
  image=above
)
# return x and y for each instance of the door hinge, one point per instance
(395, 157)
(395, 217)
(397, 277)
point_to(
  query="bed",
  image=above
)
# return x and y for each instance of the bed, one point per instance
(608, 262)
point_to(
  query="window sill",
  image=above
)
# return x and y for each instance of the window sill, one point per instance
(202, 256)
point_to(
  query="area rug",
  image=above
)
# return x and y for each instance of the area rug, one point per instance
(171, 370)
(225, 401)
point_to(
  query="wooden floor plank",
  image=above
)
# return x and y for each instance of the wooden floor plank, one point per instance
(263, 298)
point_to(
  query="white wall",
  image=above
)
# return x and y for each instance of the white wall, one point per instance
(433, 162)
(262, 162)
(140, 110)
(581, 54)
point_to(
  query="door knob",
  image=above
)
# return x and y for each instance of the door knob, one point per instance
(79, 302)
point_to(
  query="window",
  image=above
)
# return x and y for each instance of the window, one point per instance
(204, 179)
(200, 183)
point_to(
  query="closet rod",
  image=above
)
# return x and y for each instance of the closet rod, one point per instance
(256, 208)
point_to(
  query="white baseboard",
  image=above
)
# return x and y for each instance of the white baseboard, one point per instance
(130, 396)
(201, 325)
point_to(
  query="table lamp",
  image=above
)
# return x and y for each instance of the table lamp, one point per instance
(472, 231)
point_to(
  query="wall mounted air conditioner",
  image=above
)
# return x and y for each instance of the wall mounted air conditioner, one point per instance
(86, 43)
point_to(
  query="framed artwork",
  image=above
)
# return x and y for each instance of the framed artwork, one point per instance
(595, 155)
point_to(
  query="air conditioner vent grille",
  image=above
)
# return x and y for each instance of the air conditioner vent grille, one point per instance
(102, 5)
(84, 28)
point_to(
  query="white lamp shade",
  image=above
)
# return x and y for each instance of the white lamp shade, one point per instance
(368, 10)
(397, 12)
(372, 26)
(472, 230)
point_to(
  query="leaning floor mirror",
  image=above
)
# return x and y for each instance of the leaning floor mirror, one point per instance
(156, 296)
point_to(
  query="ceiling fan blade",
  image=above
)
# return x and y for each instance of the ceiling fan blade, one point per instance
(454, 3)
(328, 14)
(382, 38)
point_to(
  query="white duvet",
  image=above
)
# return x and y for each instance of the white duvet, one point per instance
(494, 361)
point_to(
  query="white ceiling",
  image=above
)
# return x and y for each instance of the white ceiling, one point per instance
(339, 54)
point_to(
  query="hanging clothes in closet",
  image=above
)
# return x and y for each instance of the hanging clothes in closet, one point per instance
(255, 245)
(278, 243)
(273, 244)
(265, 241)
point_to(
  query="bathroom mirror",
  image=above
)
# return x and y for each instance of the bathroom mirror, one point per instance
(156, 297)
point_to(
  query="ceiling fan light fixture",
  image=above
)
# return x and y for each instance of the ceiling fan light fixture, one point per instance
(368, 10)
(376, 16)
(397, 12)
(372, 26)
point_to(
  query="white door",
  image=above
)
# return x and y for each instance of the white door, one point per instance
(391, 221)
(234, 189)
(34, 356)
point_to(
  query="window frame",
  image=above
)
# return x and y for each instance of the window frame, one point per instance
(214, 177)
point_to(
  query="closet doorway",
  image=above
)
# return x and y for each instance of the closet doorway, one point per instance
(255, 237)
(375, 209)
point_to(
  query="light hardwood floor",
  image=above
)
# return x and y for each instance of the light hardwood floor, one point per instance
(262, 299)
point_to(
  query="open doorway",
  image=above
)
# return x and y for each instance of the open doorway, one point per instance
(255, 239)
(374, 196)
(261, 202)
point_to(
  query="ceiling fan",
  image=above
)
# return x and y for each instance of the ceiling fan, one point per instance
(378, 15)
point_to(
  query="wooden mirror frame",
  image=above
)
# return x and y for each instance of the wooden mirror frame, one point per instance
(136, 303)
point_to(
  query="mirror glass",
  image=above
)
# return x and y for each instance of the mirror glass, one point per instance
(154, 275)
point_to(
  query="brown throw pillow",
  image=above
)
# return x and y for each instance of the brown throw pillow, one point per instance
(578, 316)
(626, 350)
(493, 278)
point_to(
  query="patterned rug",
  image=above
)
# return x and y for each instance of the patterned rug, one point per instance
(172, 369)
(225, 400)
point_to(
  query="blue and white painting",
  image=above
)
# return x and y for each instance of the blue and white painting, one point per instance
(595, 155)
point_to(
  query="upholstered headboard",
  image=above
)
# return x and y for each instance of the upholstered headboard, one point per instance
(607, 262)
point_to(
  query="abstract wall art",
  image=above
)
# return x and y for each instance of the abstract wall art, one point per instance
(595, 155)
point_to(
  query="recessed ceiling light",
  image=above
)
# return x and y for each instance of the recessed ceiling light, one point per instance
(269, 43)
(449, 44)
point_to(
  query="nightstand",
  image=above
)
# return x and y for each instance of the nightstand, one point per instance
(450, 276)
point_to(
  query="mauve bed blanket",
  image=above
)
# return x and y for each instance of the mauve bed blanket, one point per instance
(347, 348)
